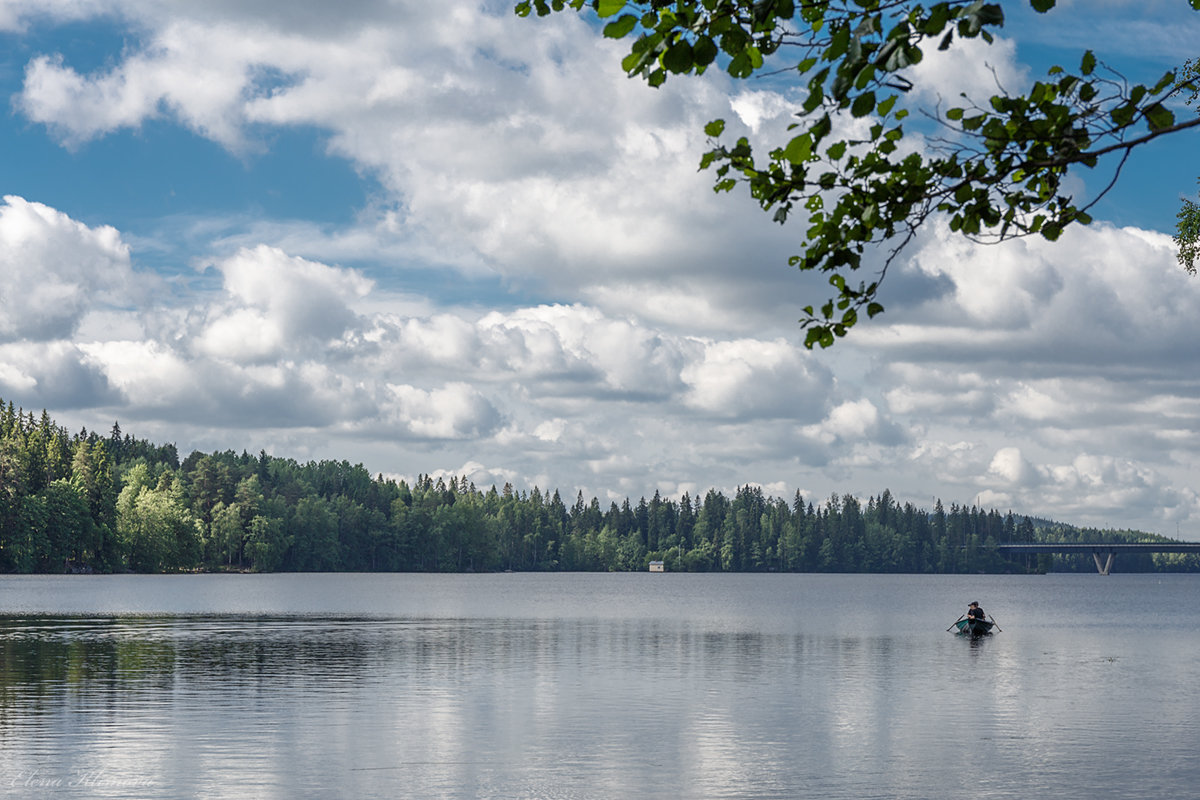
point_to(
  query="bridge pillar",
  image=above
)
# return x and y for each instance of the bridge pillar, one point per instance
(1103, 569)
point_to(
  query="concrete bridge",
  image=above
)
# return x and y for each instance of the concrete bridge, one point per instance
(1100, 549)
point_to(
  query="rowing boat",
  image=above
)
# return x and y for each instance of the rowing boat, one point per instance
(974, 627)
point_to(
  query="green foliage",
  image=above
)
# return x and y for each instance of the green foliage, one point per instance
(997, 172)
(1187, 227)
(224, 511)
(1187, 235)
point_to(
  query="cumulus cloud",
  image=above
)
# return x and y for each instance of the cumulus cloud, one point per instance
(970, 67)
(496, 163)
(147, 373)
(614, 356)
(748, 378)
(1010, 469)
(199, 73)
(52, 375)
(1045, 351)
(55, 270)
(647, 338)
(1097, 488)
(279, 304)
(16, 15)
(1100, 299)
(454, 411)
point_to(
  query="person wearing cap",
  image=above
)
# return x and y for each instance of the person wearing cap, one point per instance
(974, 612)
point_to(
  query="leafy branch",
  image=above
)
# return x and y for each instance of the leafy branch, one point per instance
(997, 174)
(1187, 229)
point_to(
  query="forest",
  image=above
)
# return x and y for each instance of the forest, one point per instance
(115, 503)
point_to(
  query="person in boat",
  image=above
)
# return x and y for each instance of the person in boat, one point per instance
(975, 613)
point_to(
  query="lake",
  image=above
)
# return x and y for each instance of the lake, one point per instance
(580, 686)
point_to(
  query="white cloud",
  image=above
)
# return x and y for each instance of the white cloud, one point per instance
(1096, 488)
(749, 378)
(148, 374)
(971, 67)
(853, 420)
(755, 107)
(51, 375)
(1010, 468)
(1102, 299)
(454, 411)
(279, 304)
(55, 270)
(495, 162)
(579, 343)
(659, 346)
(15, 15)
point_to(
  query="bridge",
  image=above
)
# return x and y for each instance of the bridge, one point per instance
(1102, 549)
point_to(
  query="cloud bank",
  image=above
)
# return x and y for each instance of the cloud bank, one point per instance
(629, 330)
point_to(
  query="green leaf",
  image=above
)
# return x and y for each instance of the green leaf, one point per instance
(821, 128)
(1122, 115)
(715, 128)
(1042, 6)
(1163, 82)
(838, 44)
(799, 149)
(607, 8)
(678, 57)
(1159, 117)
(704, 51)
(1088, 64)
(863, 104)
(740, 66)
(620, 28)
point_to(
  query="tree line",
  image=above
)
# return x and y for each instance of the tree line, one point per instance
(93, 503)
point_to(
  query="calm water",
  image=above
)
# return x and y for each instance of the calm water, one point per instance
(597, 686)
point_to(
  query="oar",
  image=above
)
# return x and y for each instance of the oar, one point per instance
(960, 617)
(996, 624)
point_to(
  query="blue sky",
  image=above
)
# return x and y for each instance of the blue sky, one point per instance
(464, 243)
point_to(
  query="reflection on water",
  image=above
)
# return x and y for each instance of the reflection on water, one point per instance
(585, 705)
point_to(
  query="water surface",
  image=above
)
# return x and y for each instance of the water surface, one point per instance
(596, 686)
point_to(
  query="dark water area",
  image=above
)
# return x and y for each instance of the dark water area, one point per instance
(597, 686)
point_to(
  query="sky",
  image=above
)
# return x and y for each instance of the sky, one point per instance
(440, 239)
